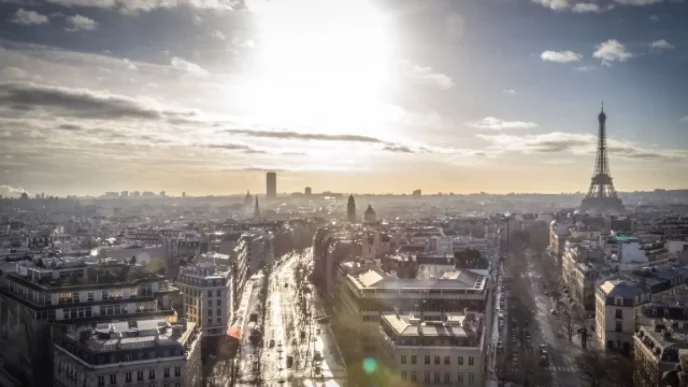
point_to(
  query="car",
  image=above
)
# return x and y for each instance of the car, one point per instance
(544, 360)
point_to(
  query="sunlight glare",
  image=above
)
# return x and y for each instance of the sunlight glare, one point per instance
(322, 62)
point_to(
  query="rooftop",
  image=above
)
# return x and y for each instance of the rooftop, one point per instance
(469, 324)
(132, 335)
(375, 278)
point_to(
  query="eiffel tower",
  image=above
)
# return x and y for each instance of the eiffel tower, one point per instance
(601, 197)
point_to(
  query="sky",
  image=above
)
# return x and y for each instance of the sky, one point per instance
(366, 96)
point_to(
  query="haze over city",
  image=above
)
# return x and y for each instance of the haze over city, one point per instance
(349, 96)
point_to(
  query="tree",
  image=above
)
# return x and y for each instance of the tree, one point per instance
(157, 267)
(605, 369)
(470, 259)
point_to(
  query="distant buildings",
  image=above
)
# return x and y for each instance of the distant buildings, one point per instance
(369, 214)
(351, 209)
(271, 185)
(307, 191)
(153, 353)
(417, 192)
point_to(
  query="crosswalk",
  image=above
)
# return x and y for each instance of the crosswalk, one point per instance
(562, 368)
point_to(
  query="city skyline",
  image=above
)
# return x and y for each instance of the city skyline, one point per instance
(445, 96)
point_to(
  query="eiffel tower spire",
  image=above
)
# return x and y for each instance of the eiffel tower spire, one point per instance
(601, 197)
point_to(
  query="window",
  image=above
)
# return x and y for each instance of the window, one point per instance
(437, 360)
(446, 360)
(413, 376)
(619, 313)
(426, 377)
(105, 295)
(177, 371)
(101, 380)
(177, 384)
(471, 361)
(618, 300)
(471, 378)
(218, 302)
(427, 359)
(618, 327)
(127, 377)
(75, 297)
(447, 378)
(210, 312)
(218, 292)
(210, 303)
(166, 373)
(403, 359)
(460, 360)
(113, 378)
(413, 359)
(219, 320)
(403, 375)
(151, 374)
(210, 321)
(436, 379)
(139, 375)
(90, 297)
(210, 293)
(459, 378)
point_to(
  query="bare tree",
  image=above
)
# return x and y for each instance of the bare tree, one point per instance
(605, 369)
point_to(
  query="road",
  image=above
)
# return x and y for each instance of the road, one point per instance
(316, 360)
(247, 354)
(561, 352)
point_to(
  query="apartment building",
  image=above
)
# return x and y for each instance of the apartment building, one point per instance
(44, 299)
(437, 353)
(661, 335)
(207, 293)
(618, 301)
(252, 252)
(152, 352)
(583, 265)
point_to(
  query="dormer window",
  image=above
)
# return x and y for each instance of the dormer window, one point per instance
(618, 300)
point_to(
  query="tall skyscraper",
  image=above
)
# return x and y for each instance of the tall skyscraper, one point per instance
(271, 182)
(351, 209)
(308, 191)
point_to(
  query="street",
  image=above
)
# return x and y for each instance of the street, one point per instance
(561, 352)
(297, 349)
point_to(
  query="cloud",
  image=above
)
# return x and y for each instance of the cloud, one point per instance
(188, 67)
(426, 76)
(132, 7)
(396, 148)
(78, 22)
(684, 120)
(582, 144)
(509, 91)
(218, 35)
(10, 191)
(555, 5)
(70, 127)
(662, 45)
(493, 123)
(612, 50)
(585, 68)
(638, 2)
(654, 18)
(27, 18)
(12, 72)
(586, 7)
(290, 135)
(31, 97)
(561, 56)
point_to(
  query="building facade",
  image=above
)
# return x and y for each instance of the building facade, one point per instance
(153, 353)
(207, 293)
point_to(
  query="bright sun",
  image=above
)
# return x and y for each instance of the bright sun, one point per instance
(324, 64)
